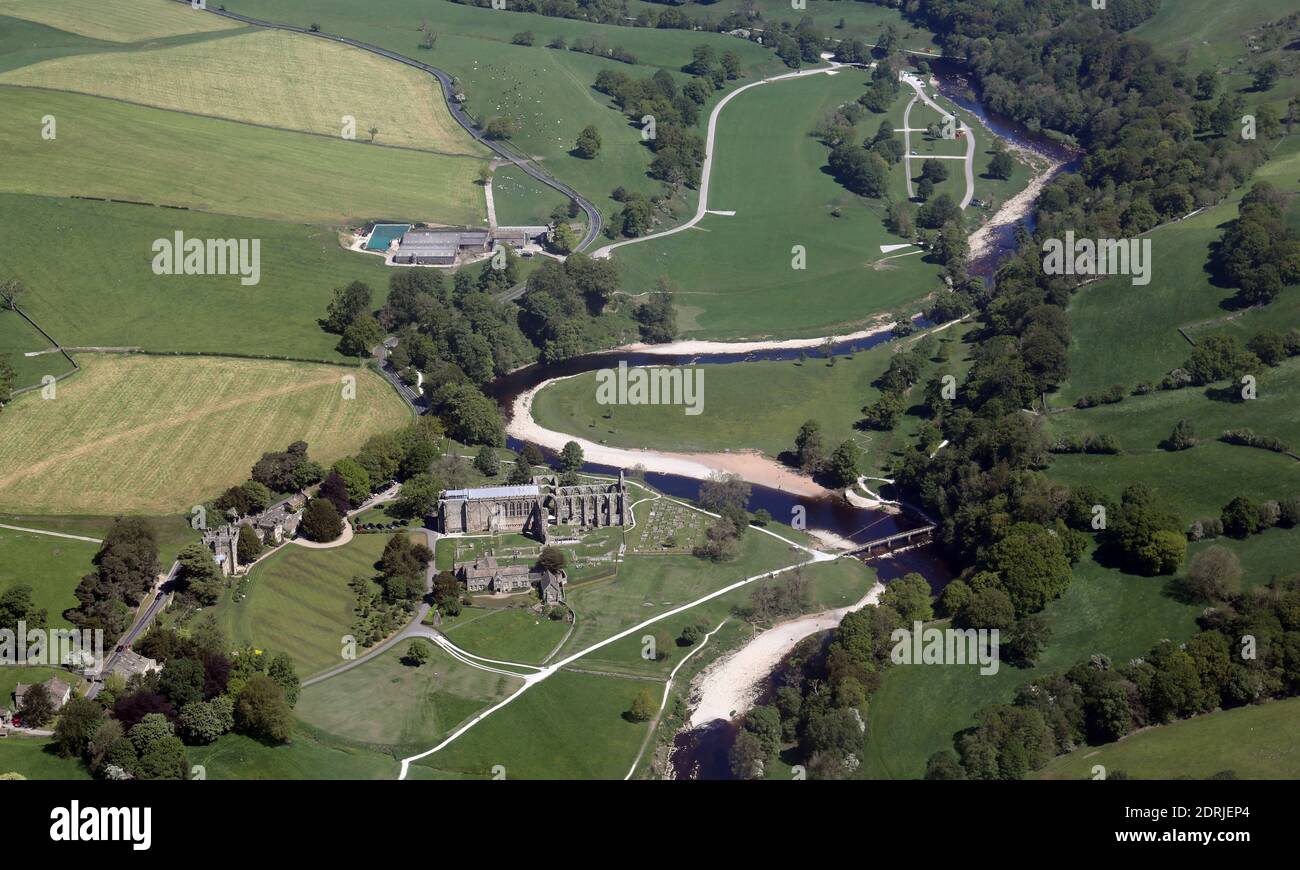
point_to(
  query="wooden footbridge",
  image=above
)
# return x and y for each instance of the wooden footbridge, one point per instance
(895, 543)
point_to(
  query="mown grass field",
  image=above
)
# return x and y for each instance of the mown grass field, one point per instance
(23, 42)
(119, 21)
(736, 272)
(1257, 742)
(134, 434)
(1138, 325)
(51, 566)
(731, 420)
(270, 78)
(569, 726)
(299, 602)
(122, 151)
(386, 703)
(513, 634)
(122, 303)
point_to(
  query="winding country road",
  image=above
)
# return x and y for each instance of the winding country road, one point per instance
(594, 220)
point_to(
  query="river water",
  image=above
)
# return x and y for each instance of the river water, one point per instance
(701, 753)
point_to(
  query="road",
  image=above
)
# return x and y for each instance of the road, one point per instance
(919, 87)
(137, 628)
(706, 171)
(594, 220)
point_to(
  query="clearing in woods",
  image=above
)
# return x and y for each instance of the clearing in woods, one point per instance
(134, 434)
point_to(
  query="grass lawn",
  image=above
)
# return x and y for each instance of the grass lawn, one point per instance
(512, 634)
(305, 756)
(18, 337)
(1256, 742)
(569, 726)
(35, 760)
(173, 533)
(299, 602)
(735, 272)
(122, 151)
(792, 392)
(270, 78)
(919, 708)
(157, 434)
(122, 303)
(119, 21)
(386, 703)
(52, 567)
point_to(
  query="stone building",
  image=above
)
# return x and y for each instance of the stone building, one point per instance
(274, 526)
(224, 544)
(551, 587)
(531, 509)
(484, 575)
(60, 693)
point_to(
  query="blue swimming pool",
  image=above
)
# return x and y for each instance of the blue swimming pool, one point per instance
(383, 234)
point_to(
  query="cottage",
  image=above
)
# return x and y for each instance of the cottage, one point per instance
(128, 664)
(551, 589)
(59, 691)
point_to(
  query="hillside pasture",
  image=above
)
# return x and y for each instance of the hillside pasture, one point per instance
(51, 566)
(135, 434)
(122, 151)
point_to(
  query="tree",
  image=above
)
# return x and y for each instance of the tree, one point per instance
(78, 721)
(285, 675)
(261, 710)
(1001, 165)
(934, 170)
(361, 336)
(746, 757)
(181, 681)
(202, 722)
(38, 708)
(1182, 438)
(249, 545)
(321, 521)
(416, 654)
(1241, 517)
(810, 450)
(588, 145)
(571, 458)
(1214, 574)
(842, 467)
(348, 303)
(1266, 75)
(487, 462)
(910, 596)
(643, 707)
(552, 559)
(722, 491)
(418, 498)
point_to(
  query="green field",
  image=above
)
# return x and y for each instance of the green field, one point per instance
(35, 760)
(385, 703)
(17, 338)
(51, 566)
(299, 602)
(569, 726)
(270, 78)
(305, 756)
(172, 533)
(122, 151)
(1257, 742)
(157, 434)
(731, 420)
(513, 634)
(1138, 325)
(1199, 481)
(122, 303)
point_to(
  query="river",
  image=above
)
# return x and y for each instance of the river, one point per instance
(701, 752)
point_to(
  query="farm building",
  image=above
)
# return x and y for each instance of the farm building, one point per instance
(519, 237)
(439, 247)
